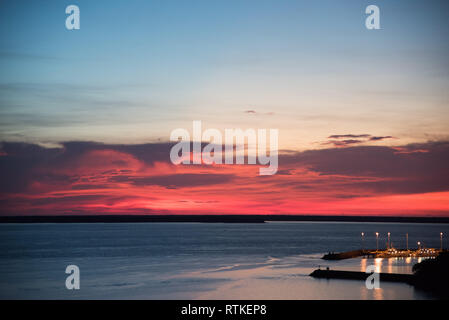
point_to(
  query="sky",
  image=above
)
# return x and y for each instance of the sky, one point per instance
(86, 115)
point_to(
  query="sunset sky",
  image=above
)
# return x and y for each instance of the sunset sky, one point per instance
(86, 115)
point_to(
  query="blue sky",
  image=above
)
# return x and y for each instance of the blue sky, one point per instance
(138, 69)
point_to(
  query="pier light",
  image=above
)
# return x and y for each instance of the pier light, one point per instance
(363, 238)
(377, 241)
(441, 241)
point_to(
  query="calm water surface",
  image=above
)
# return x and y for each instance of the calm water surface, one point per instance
(200, 261)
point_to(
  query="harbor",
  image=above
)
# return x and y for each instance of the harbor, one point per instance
(430, 274)
(388, 253)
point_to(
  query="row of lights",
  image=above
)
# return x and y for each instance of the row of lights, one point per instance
(406, 235)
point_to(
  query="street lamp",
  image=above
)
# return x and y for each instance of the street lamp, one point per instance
(419, 246)
(377, 241)
(363, 240)
(406, 240)
(441, 241)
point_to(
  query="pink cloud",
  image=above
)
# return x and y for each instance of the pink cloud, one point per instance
(89, 178)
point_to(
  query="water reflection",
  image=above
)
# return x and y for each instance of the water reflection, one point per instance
(378, 264)
(195, 261)
(378, 294)
(390, 265)
(363, 264)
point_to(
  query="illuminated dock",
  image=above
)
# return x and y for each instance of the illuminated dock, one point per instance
(388, 253)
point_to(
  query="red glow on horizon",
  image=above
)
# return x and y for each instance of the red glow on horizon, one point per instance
(112, 182)
(101, 179)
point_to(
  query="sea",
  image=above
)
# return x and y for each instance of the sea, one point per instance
(270, 260)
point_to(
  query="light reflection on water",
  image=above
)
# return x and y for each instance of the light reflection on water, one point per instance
(391, 265)
(288, 279)
(197, 261)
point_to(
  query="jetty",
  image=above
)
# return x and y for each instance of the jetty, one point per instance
(389, 253)
(431, 275)
(357, 275)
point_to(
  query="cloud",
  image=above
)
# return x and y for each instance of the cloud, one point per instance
(25, 162)
(174, 181)
(380, 138)
(343, 143)
(353, 139)
(386, 170)
(254, 112)
(339, 136)
(89, 177)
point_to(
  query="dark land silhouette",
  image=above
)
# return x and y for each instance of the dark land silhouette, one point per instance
(212, 218)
